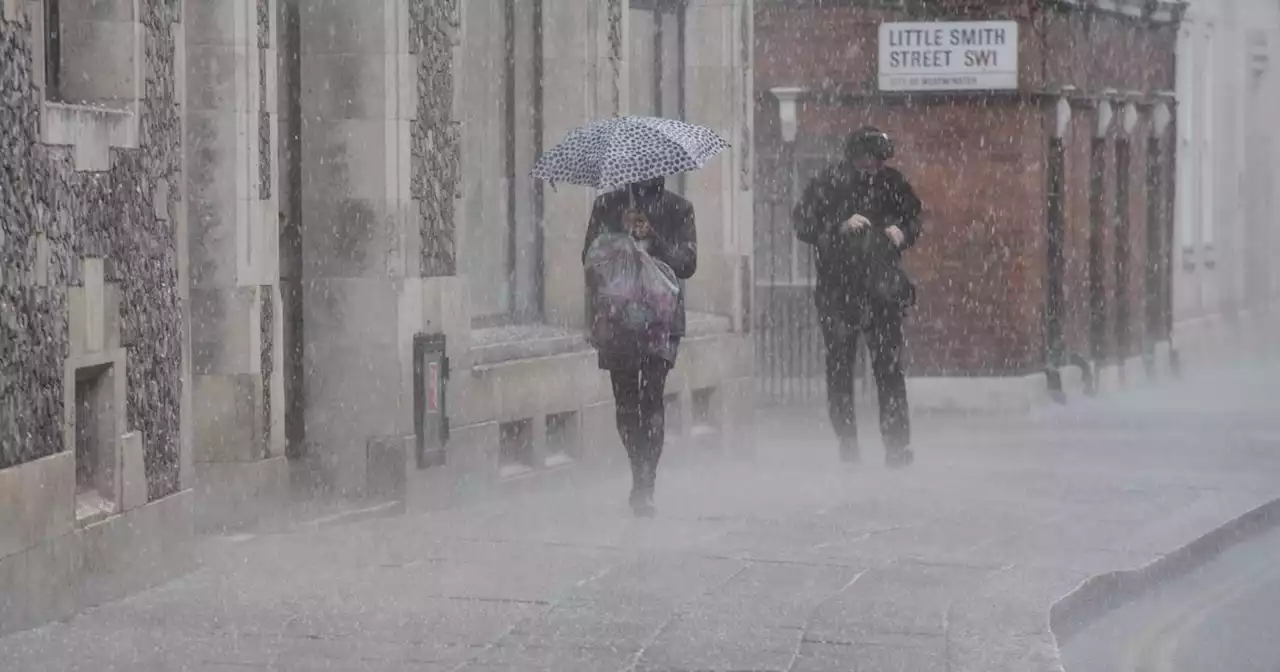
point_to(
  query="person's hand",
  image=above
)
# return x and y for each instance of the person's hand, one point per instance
(856, 223)
(638, 225)
(896, 235)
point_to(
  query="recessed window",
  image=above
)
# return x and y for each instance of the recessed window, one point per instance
(515, 448)
(95, 439)
(562, 438)
(91, 52)
(704, 416)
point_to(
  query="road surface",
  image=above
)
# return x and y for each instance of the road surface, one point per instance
(1224, 617)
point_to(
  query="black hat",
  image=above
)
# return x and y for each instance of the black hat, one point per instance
(648, 189)
(869, 141)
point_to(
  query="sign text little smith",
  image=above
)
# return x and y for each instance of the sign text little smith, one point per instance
(949, 56)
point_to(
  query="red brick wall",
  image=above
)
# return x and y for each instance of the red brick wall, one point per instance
(979, 166)
(1097, 51)
(835, 47)
(980, 264)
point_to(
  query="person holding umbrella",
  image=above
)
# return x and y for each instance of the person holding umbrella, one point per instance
(662, 223)
(860, 216)
(630, 157)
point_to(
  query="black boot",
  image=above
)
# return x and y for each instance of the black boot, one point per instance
(642, 480)
(898, 458)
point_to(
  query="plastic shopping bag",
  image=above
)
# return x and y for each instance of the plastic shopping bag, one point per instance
(634, 298)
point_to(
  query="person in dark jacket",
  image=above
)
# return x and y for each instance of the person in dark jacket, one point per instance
(663, 222)
(860, 216)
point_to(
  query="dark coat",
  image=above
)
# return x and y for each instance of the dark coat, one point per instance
(675, 242)
(847, 276)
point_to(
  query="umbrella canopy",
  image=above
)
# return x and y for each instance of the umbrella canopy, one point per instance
(611, 153)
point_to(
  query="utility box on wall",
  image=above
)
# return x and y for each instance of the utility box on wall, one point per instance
(430, 385)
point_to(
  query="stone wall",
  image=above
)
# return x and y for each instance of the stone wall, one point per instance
(53, 216)
(433, 37)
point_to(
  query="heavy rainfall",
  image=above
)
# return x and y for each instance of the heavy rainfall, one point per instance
(639, 335)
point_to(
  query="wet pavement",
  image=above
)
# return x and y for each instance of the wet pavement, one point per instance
(788, 561)
(1220, 617)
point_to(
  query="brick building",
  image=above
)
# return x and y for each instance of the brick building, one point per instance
(1047, 218)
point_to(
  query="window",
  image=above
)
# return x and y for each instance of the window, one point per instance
(501, 237)
(91, 52)
(95, 442)
(88, 66)
(564, 441)
(656, 57)
(515, 448)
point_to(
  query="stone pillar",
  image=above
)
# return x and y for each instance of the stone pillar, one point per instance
(719, 94)
(233, 190)
(373, 220)
(576, 50)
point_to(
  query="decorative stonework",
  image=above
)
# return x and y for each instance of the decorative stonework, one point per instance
(616, 52)
(436, 143)
(747, 101)
(109, 214)
(264, 24)
(264, 155)
(267, 354)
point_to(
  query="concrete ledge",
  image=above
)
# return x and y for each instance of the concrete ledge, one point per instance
(1119, 376)
(91, 131)
(985, 394)
(121, 555)
(37, 502)
(1016, 394)
(501, 344)
(526, 388)
(1214, 339)
(532, 389)
(232, 495)
(1100, 594)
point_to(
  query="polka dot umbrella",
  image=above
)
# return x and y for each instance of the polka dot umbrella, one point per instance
(614, 152)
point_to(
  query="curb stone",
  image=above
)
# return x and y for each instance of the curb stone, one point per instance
(1103, 593)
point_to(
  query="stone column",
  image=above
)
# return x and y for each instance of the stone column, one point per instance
(576, 50)
(232, 217)
(719, 95)
(377, 200)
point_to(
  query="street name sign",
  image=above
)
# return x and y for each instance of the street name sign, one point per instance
(949, 56)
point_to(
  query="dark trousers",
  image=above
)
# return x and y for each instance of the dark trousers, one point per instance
(639, 394)
(883, 330)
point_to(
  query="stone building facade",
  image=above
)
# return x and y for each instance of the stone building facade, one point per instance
(249, 244)
(95, 447)
(1226, 285)
(418, 218)
(1047, 220)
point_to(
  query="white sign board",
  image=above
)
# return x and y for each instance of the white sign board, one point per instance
(949, 56)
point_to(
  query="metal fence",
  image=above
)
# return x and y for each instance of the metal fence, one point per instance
(790, 354)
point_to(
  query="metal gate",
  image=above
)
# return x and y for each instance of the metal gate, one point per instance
(790, 356)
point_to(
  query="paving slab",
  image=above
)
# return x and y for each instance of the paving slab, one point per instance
(789, 561)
